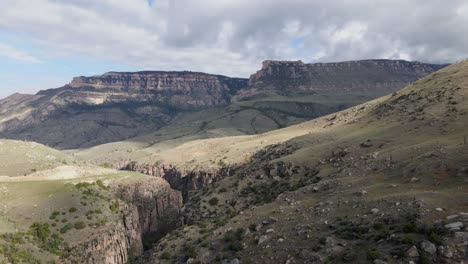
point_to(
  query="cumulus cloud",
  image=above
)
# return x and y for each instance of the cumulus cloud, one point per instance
(232, 37)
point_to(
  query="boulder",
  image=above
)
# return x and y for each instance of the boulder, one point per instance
(454, 226)
(428, 247)
(451, 217)
(412, 252)
(262, 239)
(414, 179)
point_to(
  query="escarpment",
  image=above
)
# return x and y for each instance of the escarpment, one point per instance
(378, 77)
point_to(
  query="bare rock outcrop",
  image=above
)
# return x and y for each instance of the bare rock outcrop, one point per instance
(157, 203)
(148, 210)
(114, 244)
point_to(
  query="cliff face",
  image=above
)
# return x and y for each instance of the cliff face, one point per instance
(158, 205)
(149, 209)
(179, 90)
(112, 245)
(296, 77)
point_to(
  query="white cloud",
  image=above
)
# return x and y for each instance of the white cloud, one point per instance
(16, 54)
(232, 37)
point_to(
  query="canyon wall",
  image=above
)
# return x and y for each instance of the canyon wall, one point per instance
(149, 210)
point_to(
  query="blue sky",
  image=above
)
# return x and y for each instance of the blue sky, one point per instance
(150, 2)
(44, 70)
(59, 40)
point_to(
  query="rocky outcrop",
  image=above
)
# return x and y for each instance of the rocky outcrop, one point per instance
(295, 77)
(114, 244)
(181, 180)
(148, 210)
(158, 205)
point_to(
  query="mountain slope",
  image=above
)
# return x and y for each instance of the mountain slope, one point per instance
(386, 180)
(115, 106)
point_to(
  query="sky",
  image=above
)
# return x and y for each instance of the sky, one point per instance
(44, 43)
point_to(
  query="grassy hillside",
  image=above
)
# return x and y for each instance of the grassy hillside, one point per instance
(21, 158)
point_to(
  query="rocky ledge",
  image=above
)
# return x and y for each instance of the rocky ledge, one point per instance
(181, 180)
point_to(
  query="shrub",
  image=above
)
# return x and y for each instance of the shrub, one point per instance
(66, 228)
(408, 240)
(106, 165)
(79, 225)
(409, 228)
(232, 235)
(54, 243)
(213, 201)
(349, 256)
(221, 163)
(72, 210)
(54, 215)
(425, 259)
(101, 185)
(165, 255)
(114, 206)
(373, 254)
(236, 246)
(378, 225)
(204, 244)
(435, 238)
(83, 184)
(40, 231)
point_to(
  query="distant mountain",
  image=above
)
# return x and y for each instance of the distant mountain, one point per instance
(119, 105)
(113, 106)
(366, 76)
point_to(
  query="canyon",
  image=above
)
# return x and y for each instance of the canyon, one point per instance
(373, 182)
